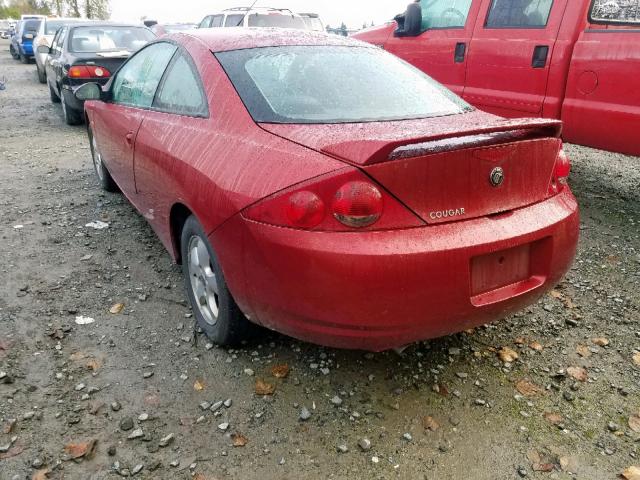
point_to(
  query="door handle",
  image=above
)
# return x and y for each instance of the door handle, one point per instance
(540, 54)
(460, 52)
(129, 138)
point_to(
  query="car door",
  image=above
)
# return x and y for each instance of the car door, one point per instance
(441, 50)
(117, 121)
(53, 63)
(180, 111)
(602, 104)
(510, 53)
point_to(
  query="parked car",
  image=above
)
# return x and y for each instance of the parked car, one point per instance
(87, 52)
(254, 17)
(13, 50)
(5, 28)
(166, 29)
(22, 42)
(313, 21)
(44, 36)
(571, 60)
(366, 211)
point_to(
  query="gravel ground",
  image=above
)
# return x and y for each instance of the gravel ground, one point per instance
(551, 392)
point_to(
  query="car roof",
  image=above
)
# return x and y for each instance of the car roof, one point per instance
(99, 24)
(237, 38)
(67, 19)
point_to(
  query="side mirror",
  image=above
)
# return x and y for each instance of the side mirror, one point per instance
(88, 91)
(409, 23)
(43, 49)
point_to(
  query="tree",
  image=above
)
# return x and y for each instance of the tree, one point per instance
(15, 8)
(97, 9)
(74, 8)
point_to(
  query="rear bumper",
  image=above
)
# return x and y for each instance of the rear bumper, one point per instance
(40, 59)
(378, 290)
(70, 98)
(26, 49)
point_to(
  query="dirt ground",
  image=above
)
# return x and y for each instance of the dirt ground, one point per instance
(144, 386)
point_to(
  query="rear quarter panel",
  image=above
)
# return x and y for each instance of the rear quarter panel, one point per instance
(217, 166)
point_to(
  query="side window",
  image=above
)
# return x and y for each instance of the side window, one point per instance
(621, 13)
(234, 20)
(137, 81)
(181, 90)
(205, 23)
(445, 14)
(57, 46)
(216, 21)
(519, 13)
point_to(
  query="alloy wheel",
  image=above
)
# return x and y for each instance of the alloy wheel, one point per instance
(202, 279)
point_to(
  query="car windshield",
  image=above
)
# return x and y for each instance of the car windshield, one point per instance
(103, 39)
(334, 84)
(276, 20)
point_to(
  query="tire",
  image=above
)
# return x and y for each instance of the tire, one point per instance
(13, 53)
(24, 59)
(217, 312)
(42, 76)
(71, 116)
(104, 177)
(54, 96)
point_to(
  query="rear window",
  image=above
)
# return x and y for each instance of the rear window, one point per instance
(623, 12)
(179, 27)
(52, 26)
(309, 84)
(276, 20)
(108, 39)
(313, 23)
(234, 20)
(31, 26)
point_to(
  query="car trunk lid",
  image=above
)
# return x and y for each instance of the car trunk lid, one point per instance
(456, 168)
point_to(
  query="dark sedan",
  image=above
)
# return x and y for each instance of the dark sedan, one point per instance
(90, 52)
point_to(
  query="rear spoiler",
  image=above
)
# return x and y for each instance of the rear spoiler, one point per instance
(500, 131)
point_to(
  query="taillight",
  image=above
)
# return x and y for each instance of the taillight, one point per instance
(561, 172)
(357, 204)
(88, 71)
(346, 200)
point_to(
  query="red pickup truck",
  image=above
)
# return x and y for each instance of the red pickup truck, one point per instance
(575, 60)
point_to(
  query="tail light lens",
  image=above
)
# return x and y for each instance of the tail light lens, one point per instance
(88, 71)
(357, 204)
(561, 171)
(346, 200)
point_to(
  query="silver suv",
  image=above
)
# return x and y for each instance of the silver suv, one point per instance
(255, 17)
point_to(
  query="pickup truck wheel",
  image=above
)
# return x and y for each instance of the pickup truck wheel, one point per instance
(54, 96)
(213, 306)
(71, 116)
(104, 177)
(42, 76)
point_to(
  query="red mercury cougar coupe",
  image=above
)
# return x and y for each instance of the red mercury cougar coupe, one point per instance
(321, 187)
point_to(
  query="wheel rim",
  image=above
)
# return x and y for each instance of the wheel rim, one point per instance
(97, 159)
(203, 281)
